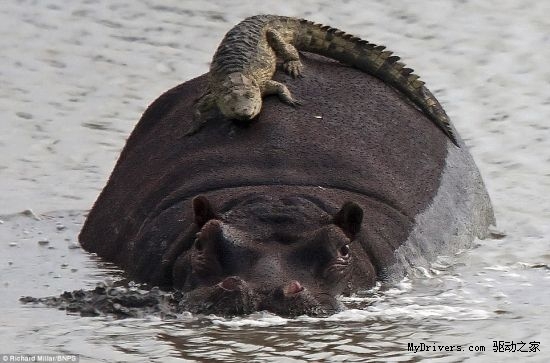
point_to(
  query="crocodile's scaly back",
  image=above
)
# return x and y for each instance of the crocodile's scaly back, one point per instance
(243, 66)
(375, 60)
(239, 47)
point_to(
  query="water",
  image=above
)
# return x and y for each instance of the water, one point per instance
(75, 78)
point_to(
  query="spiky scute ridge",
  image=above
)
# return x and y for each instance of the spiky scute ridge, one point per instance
(378, 61)
(245, 49)
(375, 51)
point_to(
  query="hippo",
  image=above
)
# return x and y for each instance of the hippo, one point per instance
(290, 211)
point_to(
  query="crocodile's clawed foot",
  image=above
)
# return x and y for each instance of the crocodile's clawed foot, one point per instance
(294, 68)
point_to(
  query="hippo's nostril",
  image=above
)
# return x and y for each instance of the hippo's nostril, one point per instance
(292, 288)
(231, 283)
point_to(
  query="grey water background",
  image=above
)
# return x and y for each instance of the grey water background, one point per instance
(75, 78)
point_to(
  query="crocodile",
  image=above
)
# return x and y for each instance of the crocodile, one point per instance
(242, 69)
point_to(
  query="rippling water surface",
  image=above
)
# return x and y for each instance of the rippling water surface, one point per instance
(75, 78)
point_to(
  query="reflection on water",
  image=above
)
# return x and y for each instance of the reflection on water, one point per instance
(75, 78)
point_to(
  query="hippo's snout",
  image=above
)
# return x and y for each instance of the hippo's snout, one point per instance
(293, 299)
(292, 288)
(234, 296)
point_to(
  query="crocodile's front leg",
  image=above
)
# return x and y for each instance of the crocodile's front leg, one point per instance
(288, 52)
(276, 88)
(206, 102)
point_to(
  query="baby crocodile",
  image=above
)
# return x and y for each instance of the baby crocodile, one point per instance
(244, 64)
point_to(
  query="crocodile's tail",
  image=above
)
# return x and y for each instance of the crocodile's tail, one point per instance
(373, 59)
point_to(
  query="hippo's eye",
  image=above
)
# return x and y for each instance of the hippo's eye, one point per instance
(344, 250)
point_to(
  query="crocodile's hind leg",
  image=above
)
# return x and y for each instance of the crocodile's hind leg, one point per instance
(289, 53)
(276, 88)
(204, 103)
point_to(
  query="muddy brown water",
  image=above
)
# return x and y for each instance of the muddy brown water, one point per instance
(75, 78)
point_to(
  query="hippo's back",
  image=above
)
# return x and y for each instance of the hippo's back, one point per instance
(353, 133)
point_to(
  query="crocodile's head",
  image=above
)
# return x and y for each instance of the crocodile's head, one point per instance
(241, 98)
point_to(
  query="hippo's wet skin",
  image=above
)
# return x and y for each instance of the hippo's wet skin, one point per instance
(279, 253)
(303, 205)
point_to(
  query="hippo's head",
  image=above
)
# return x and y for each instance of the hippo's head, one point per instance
(284, 255)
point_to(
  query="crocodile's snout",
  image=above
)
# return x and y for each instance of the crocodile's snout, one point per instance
(242, 107)
(244, 112)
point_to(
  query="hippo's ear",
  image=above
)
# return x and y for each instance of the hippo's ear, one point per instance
(203, 210)
(349, 218)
